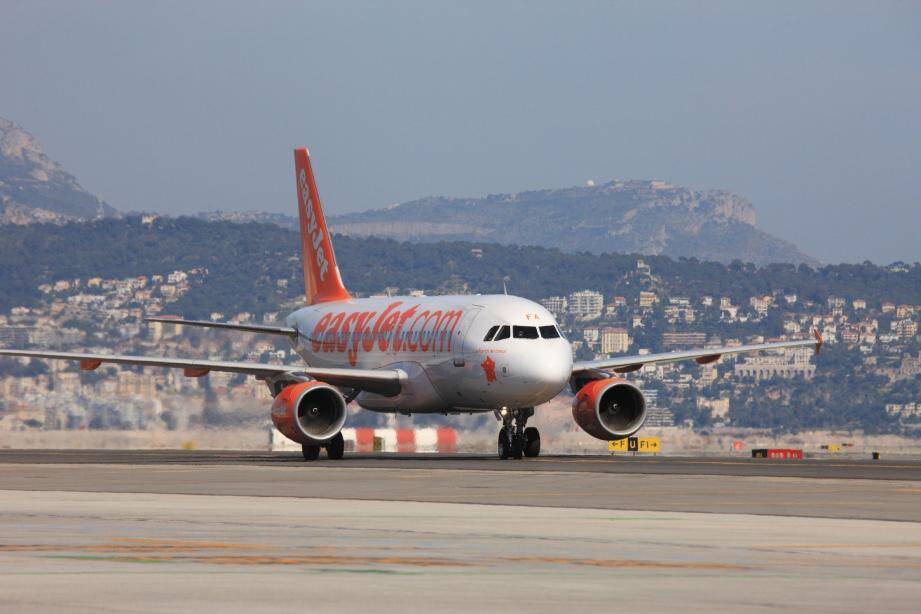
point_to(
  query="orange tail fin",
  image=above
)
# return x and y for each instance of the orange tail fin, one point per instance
(322, 282)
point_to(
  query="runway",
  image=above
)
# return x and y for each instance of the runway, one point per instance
(240, 531)
(829, 467)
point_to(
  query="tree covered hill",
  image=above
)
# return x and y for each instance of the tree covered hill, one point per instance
(245, 262)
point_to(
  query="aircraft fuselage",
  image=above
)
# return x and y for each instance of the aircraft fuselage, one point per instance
(440, 342)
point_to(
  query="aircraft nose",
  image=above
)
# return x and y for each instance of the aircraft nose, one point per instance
(549, 368)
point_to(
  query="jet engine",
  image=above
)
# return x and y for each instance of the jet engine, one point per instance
(309, 412)
(609, 408)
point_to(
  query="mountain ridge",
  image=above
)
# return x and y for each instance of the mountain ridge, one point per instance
(35, 188)
(637, 216)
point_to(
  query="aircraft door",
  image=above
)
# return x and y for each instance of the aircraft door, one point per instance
(460, 335)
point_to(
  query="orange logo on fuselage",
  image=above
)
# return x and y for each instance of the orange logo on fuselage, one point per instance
(394, 330)
(489, 368)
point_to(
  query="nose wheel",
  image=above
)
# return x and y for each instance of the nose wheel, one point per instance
(515, 438)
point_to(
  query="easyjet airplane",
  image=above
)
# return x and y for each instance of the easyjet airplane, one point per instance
(440, 354)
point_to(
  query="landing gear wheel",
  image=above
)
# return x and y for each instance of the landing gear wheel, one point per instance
(504, 448)
(517, 447)
(531, 442)
(311, 453)
(335, 447)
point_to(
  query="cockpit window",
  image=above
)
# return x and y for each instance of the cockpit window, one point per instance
(502, 334)
(524, 332)
(549, 332)
(490, 333)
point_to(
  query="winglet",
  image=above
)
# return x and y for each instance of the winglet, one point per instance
(818, 340)
(322, 282)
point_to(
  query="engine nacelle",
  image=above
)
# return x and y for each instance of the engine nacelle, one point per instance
(309, 412)
(609, 408)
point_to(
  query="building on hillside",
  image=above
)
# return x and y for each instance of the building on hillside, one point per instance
(591, 335)
(910, 367)
(719, 408)
(788, 364)
(708, 375)
(659, 417)
(836, 304)
(851, 334)
(905, 329)
(761, 304)
(14, 336)
(647, 300)
(656, 416)
(586, 304)
(557, 305)
(673, 340)
(614, 340)
(642, 268)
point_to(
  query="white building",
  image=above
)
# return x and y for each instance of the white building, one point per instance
(586, 304)
(614, 341)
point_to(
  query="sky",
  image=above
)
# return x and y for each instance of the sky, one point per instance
(811, 111)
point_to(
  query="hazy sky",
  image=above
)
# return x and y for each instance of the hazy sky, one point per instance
(811, 111)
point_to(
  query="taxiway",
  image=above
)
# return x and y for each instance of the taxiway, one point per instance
(242, 531)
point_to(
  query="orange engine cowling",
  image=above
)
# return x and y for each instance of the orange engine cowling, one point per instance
(609, 408)
(309, 412)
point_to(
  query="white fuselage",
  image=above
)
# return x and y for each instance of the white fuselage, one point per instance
(439, 342)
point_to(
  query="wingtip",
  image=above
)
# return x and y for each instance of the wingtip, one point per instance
(818, 340)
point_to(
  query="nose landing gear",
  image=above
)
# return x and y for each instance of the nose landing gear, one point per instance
(515, 438)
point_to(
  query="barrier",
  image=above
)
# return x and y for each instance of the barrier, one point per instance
(406, 441)
(785, 453)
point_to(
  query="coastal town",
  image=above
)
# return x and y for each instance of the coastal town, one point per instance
(877, 336)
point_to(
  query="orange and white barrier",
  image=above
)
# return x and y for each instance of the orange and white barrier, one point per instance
(405, 441)
(400, 440)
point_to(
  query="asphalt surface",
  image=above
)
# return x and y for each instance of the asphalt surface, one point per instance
(824, 468)
(169, 531)
(872, 490)
(110, 552)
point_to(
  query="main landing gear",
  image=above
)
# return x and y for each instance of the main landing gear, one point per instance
(515, 438)
(335, 449)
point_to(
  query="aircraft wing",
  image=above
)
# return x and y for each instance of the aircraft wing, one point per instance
(626, 364)
(382, 381)
(246, 328)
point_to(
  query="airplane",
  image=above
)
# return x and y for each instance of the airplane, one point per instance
(421, 355)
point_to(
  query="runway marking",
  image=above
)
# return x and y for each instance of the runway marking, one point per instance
(838, 546)
(622, 563)
(132, 545)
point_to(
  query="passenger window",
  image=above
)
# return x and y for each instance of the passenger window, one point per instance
(549, 332)
(524, 332)
(490, 333)
(502, 334)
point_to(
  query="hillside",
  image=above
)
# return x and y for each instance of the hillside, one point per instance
(34, 188)
(245, 260)
(644, 217)
(255, 268)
